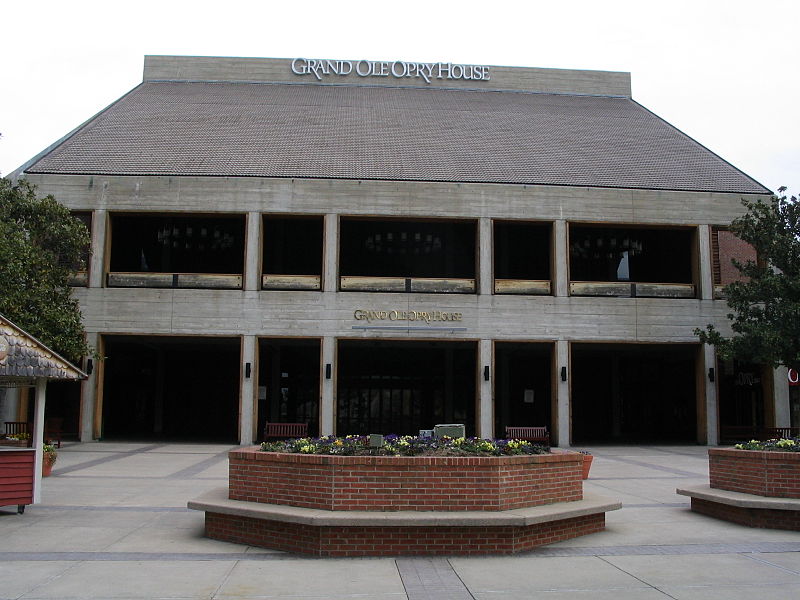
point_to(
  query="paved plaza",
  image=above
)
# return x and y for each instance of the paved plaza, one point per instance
(113, 524)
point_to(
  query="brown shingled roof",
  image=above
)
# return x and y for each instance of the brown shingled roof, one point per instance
(350, 132)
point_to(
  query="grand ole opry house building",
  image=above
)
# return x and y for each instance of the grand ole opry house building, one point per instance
(378, 247)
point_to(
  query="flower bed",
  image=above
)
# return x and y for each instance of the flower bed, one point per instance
(404, 483)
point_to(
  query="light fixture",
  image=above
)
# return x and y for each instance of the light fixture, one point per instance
(247, 370)
(486, 373)
(563, 373)
(89, 366)
(711, 374)
(328, 371)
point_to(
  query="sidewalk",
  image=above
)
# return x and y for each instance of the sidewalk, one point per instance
(114, 525)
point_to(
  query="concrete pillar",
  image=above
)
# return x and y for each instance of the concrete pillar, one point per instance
(706, 275)
(330, 281)
(248, 393)
(327, 400)
(252, 254)
(485, 408)
(561, 259)
(485, 277)
(97, 260)
(38, 437)
(780, 385)
(711, 399)
(563, 439)
(89, 394)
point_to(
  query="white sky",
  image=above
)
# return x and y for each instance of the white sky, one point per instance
(725, 72)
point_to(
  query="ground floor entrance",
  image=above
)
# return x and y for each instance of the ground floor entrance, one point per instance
(171, 388)
(404, 386)
(634, 393)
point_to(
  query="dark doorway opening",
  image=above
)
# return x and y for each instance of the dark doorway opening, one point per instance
(523, 384)
(288, 380)
(63, 408)
(171, 388)
(741, 395)
(634, 393)
(402, 387)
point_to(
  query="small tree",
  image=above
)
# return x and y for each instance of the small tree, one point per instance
(766, 302)
(41, 246)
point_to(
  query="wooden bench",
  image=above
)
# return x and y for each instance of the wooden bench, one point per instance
(20, 428)
(733, 434)
(52, 431)
(285, 430)
(529, 434)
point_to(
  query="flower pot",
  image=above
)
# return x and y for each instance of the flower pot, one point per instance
(587, 464)
(47, 466)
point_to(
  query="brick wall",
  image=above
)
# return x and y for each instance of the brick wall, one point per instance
(395, 541)
(726, 247)
(389, 483)
(773, 474)
(751, 517)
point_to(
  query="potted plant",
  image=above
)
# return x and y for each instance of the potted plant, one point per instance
(587, 462)
(48, 459)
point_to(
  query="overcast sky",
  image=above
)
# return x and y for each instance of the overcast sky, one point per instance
(726, 73)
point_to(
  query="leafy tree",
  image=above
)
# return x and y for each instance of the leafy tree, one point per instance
(766, 302)
(41, 246)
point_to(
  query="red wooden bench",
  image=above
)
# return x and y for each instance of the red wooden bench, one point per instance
(529, 434)
(20, 427)
(730, 434)
(285, 430)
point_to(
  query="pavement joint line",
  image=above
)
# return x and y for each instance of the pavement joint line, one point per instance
(431, 579)
(38, 507)
(106, 459)
(764, 561)
(642, 463)
(201, 466)
(754, 548)
(629, 574)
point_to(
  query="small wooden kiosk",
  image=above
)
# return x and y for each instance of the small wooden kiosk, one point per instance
(26, 362)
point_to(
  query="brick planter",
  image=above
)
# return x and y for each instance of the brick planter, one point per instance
(395, 483)
(772, 474)
(389, 505)
(750, 487)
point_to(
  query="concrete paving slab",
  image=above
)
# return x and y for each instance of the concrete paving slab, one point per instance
(735, 592)
(785, 560)
(20, 578)
(314, 578)
(725, 569)
(135, 580)
(643, 593)
(515, 574)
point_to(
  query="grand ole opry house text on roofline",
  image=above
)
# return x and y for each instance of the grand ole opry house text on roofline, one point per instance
(378, 247)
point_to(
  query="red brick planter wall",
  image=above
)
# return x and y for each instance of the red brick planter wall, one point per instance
(394, 541)
(773, 474)
(393, 483)
(751, 517)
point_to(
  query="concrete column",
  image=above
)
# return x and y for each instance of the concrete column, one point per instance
(89, 394)
(485, 412)
(561, 259)
(563, 439)
(327, 400)
(706, 275)
(97, 260)
(780, 385)
(38, 437)
(248, 393)
(330, 276)
(9, 401)
(252, 258)
(485, 270)
(711, 399)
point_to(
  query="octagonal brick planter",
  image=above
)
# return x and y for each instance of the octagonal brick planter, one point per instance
(400, 483)
(394, 505)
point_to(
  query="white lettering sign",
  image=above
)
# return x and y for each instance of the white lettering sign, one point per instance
(398, 69)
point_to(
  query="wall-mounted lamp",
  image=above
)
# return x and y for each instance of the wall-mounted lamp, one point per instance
(247, 370)
(563, 373)
(486, 373)
(89, 366)
(328, 370)
(711, 374)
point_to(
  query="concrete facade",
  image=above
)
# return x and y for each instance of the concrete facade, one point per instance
(559, 319)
